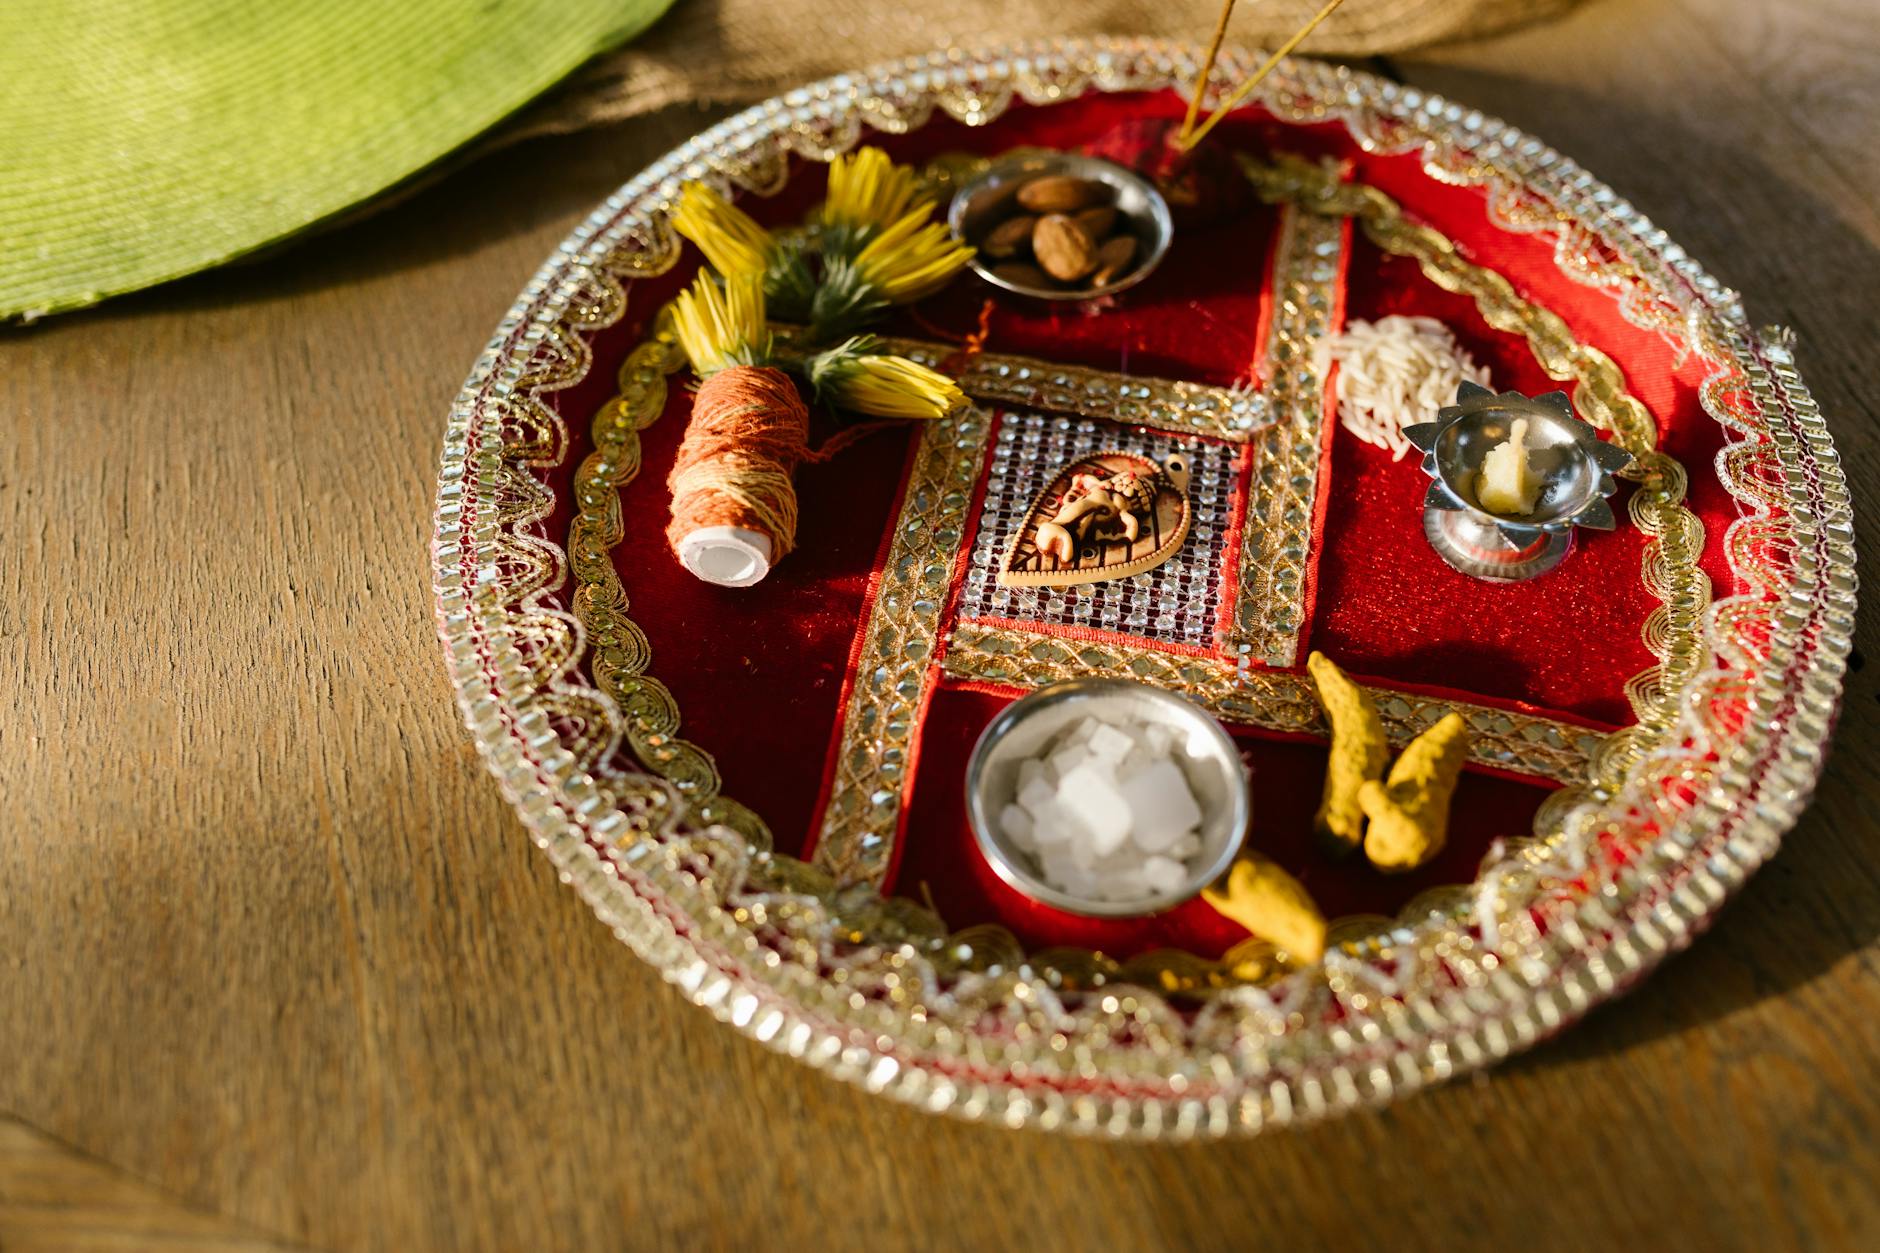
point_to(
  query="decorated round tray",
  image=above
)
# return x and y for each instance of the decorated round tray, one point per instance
(763, 790)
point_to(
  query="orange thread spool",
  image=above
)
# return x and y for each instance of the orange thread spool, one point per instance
(734, 507)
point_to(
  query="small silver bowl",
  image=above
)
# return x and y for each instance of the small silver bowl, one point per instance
(1211, 761)
(1573, 463)
(987, 200)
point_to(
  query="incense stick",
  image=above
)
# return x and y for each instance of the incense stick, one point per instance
(1207, 72)
(1246, 88)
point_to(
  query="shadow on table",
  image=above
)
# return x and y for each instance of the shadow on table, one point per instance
(1814, 906)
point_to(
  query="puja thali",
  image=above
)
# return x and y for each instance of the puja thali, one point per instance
(762, 788)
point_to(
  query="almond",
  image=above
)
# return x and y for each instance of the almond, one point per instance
(1113, 259)
(1096, 222)
(1023, 274)
(1009, 238)
(1063, 250)
(1060, 193)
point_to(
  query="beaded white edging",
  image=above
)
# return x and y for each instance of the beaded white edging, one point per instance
(1651, 908)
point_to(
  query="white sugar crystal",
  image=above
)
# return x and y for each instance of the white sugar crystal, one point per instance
(1163, 874)
(1051, 827)
(1160, 803)
(1156, 839)
(1060, 869)
(1107, 811)
(1128, 886)
(1065, 760)
(1088, 794)
(1037, 798)
(1017, 825)
(1109, 744)
(1120, 874)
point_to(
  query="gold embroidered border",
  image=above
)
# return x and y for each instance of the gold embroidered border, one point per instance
(856, 840)
(1276, 533)
(618, 649)
(1273, 700)
(1172, 405)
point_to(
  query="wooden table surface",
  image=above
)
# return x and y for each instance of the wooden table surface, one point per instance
(278, 968)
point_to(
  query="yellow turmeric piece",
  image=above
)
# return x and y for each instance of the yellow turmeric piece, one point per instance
(1409, 813)
(1358, 753)
(1271, 903)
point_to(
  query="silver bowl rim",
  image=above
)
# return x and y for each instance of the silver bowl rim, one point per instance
(1002, 168)
(1017, 877)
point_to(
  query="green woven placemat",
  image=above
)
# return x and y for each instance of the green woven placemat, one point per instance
(140, 141)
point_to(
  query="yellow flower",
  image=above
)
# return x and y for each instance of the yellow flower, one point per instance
(729, 238)
(721, 329)
(887, 387)
(868, 190)
(912, 258)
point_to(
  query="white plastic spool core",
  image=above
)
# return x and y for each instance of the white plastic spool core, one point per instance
(729, 556)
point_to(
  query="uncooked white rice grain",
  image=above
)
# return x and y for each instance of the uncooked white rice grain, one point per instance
(1396, 372)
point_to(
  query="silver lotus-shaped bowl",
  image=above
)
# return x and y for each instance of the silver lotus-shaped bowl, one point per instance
(1574, 465)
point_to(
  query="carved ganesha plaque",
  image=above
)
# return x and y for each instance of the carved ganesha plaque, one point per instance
(1106, 516)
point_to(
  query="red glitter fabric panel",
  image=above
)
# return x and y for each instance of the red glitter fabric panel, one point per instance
(1665, 380)
(940, 856)
(1389, 606)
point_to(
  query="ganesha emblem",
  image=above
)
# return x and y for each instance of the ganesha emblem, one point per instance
(1108, 516)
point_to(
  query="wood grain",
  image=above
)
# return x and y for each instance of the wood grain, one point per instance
(271, 942)
(55, 1200)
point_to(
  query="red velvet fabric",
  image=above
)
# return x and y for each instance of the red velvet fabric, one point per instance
(1390, 607)
(759, 673)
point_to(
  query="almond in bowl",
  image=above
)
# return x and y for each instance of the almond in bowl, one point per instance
(1062, 226)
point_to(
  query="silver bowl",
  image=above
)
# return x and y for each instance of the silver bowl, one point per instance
(986, 201)
(1575, 466)
(1211, 761)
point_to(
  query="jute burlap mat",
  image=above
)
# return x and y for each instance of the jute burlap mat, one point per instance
(734, 51)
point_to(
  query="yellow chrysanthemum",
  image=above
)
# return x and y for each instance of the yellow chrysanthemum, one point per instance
(911, 259)
(885, 386)
(729, 238)
(868, 190)
(720, 329)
